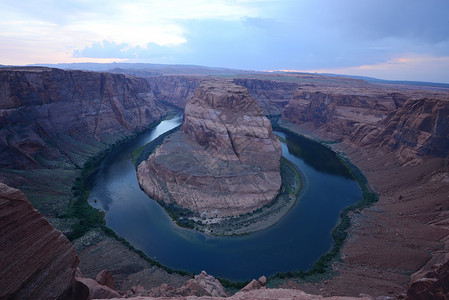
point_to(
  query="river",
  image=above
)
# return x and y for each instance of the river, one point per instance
(294, 243)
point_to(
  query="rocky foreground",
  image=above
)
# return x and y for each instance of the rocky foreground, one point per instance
(225, 161)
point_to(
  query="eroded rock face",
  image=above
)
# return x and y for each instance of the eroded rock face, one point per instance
(433, 285)
(339, 111)
(37, 261)
(176, 90)
(420, 128)
(412, 128)
(51, 114)
(226, 159)
(272, 96)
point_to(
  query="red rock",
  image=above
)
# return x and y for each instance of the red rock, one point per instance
(53, 113)
(176, 90)
(263, 294)
(105, 278)
(226, 160)
(201, 285)
(37, 261)
(271, 95)
(253, 285)
(370, 117)
(96, 290)
(434, 284)
(262, 280)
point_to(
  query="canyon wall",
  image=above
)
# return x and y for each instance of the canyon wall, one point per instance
(398, 137)
(410, 126)
(51, 114)
(418, 129)
(174, 90)
(226, 160)
(271, 95)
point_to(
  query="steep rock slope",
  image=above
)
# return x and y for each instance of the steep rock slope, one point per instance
(411, 127)
(175, 90)
(401, 147)
(51, 114)
(271, 95)
(418, 129)
(226, 160)
(337, 111)
(37, 261)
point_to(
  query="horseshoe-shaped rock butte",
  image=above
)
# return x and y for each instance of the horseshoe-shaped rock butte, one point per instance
(225, 160)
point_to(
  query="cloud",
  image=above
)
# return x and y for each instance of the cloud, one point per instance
(136, 23)
(408, 67)
(105, 49)
(247, 34)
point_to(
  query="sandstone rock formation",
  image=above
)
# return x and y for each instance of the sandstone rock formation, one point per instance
(412, 128)
(263, 294)
(105, 278)
(88, 288)
(205, 286)
(418, 129)
(391, 135)
(271, 95)
(37, 261)
(176, 90)
(337, 111)
(255, 284)
(226, 160)
(433, 285)
(201, 285)
(51, 114)
(98, 251)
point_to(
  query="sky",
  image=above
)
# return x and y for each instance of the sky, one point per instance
(387, 39)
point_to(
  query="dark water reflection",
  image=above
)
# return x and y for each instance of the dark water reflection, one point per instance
(316, 155)
(294, 243)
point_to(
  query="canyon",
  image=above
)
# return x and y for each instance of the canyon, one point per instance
(226, 143)
(53, 121)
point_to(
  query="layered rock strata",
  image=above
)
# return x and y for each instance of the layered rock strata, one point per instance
(225, 161)
(338, 111)
(416, 130)
(401, 147)
(176, 90)
(410, 127)
(51, 114)
(271, 95)
(37, 261)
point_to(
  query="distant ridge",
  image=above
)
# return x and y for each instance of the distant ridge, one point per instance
(384, 81)
(154, 68)
(179, 69)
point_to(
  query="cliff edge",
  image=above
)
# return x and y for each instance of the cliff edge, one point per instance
(38, 261)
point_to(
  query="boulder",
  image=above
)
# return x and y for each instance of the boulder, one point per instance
(105, 278)
(96, 290)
